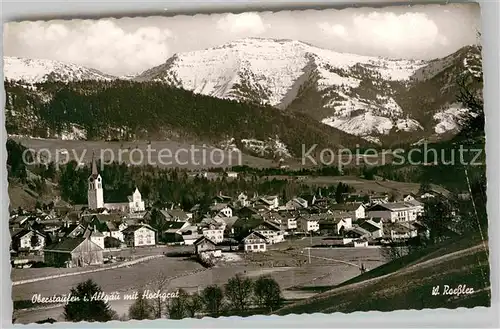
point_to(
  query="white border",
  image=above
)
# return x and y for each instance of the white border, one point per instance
(461, 318)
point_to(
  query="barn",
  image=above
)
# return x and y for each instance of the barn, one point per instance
(73, 252)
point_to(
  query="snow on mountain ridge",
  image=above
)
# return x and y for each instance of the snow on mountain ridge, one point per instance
(42, 70)
(275, 64)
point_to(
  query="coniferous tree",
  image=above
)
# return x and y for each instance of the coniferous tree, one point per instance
(88, 307)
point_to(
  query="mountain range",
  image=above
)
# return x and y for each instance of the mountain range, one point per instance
(384, 101)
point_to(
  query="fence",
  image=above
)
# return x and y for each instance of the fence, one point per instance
(128, 263)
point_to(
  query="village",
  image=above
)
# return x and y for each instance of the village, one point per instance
(69, 236)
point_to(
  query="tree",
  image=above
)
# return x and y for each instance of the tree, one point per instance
(141, 309)
(439, 215)
(238, 291)
(267, 293)
(425, 187)
(87, 307)
(194, 305)
(213, 298)
(159, 284)
(177, 308)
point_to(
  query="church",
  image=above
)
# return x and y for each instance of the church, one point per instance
(95, 195)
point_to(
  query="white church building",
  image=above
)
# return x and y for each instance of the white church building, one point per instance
(95, 195)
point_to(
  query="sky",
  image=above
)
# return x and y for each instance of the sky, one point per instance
(131, 45)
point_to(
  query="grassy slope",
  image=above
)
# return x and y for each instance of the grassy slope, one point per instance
(406, 283)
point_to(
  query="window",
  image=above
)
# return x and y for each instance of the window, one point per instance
(261, 246)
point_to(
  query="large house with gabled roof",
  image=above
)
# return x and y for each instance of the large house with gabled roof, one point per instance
(73, 252)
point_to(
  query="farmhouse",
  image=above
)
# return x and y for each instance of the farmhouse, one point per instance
(204, 244)
(353, 210)
(28, 240)
(139, 235)
(73, 252)
(254, 242)
(374, 226)
(399, 231)
(213, 229)
(270, 231)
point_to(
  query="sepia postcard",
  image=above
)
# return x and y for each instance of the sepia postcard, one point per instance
(258, 163)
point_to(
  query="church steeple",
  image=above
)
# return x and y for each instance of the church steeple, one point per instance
(95, 191)
(94, 166)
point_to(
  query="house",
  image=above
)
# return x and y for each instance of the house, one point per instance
(409, 197)
(374, 226)
(356, 232)
(139, 235)
(221, 198)
(189, 235)
(268, 202)
(297, 203)
(353, 210)
(232, 174)
(94, 235)
(399, 231)
(213, 229)
(204, 244)
(229, 223)
(242, 200)
(379, 198)
(307, 223)
(254, 242)
(222, 210)
(73, 252)
(270, 231)
(335, 225)
(395, 211)
(108, 225)
(173, 231)
(28, 240)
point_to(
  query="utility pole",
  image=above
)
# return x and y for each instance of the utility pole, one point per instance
(309, 253)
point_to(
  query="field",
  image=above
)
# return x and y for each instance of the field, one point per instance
(174, 154)
(407, 283)
(192, 277)
(365, 186)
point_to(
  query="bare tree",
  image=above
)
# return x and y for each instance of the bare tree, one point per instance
(159, 284)
(238, 291)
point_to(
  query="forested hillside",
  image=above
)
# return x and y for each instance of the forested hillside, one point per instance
(132, 110)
